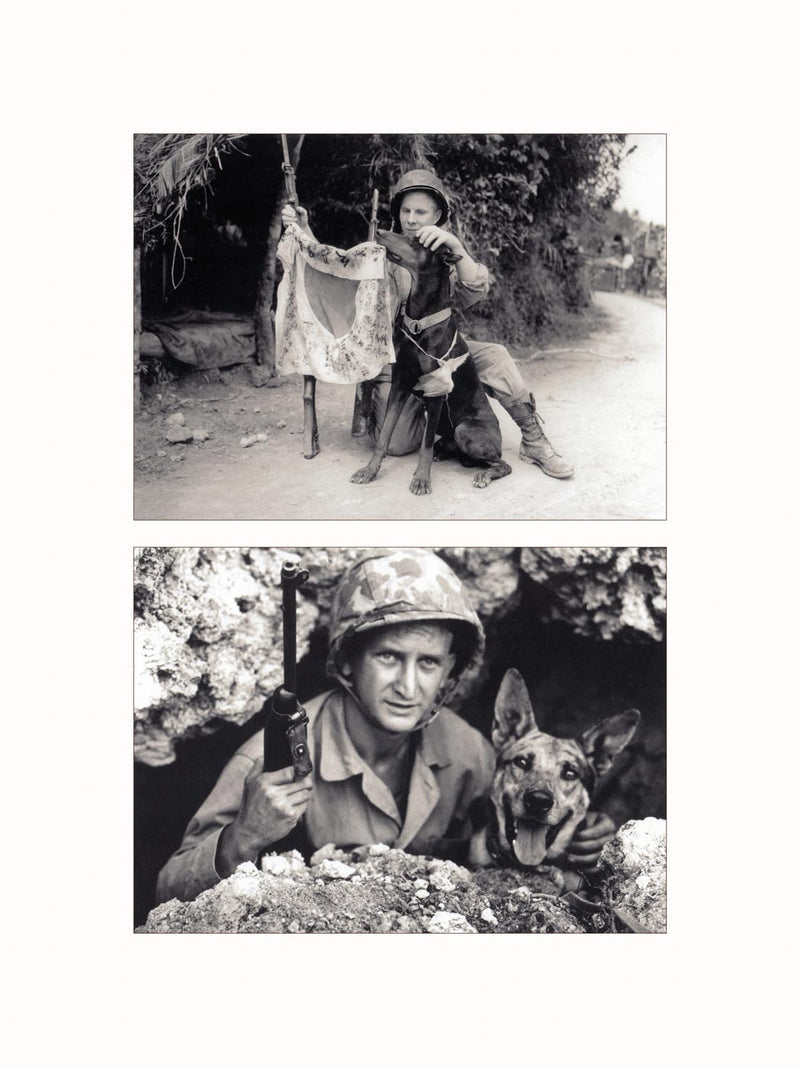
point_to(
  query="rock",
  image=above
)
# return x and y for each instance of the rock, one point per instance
(288, 896)
(420, 883)
(200, 435)
(220, 610)
(449, 922)
(246, 869)
(207, 641)
(177, 435)
(634, 872)
(328, 852)
(378, 850)
(334, 869)
(422, 894)
(446, 876)
(161, 453)
(253, 439)
(177, 418)
(281, 425)
(605, 592)
(491, 576)
(256, 411)
(283, 866)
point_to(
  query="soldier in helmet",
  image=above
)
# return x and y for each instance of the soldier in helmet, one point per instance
(392, 764)
(420, 208)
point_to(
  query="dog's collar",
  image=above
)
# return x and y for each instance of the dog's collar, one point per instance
(416, 326)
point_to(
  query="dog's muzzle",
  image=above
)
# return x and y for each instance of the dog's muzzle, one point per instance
(530, 838)
(537, 803)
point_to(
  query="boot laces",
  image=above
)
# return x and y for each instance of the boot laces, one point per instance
(539, 423)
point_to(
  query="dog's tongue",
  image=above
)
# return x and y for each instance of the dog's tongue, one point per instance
(530, 844)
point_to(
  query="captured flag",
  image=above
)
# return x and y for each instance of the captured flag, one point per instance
(333, 319)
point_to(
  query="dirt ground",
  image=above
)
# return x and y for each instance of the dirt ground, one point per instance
(603, 401)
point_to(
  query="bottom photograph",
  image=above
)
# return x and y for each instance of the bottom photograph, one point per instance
(400, 740)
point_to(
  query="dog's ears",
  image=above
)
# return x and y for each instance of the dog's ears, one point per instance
(603, 742)
(513, 714)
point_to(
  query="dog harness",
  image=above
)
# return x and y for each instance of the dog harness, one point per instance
(441, 360)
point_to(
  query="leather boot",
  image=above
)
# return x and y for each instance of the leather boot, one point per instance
(534, 446)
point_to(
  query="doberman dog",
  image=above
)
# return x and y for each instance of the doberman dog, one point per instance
(426, 339)
(542, 784)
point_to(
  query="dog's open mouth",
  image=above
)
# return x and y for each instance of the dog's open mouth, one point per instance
(529, 839)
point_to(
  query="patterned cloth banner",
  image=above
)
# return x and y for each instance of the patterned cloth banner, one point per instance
(333, 318)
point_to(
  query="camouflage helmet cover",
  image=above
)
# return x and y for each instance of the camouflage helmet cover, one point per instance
(390, 586)
(419, 181)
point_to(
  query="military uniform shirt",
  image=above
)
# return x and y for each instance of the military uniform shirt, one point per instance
(350, 806)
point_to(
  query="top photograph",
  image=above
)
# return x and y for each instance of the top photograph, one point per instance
(400, 326)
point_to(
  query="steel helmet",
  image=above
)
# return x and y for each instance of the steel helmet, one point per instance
(419, 181)
(390, 586)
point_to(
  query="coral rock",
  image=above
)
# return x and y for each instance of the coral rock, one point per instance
(634, 868)
(449, 922)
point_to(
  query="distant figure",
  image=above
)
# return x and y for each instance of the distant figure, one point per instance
(621, 260)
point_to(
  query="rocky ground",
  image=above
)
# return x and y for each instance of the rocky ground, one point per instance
(381, 890)
(221, 445)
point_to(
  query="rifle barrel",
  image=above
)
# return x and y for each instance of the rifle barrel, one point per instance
(373, 220)
(289, 572)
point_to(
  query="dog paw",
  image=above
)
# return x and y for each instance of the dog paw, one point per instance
(420, 486)
(366, 474)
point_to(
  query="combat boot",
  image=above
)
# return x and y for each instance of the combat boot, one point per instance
(534, 446)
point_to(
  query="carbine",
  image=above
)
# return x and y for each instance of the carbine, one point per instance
(286, 728)
(363, 417)
(310, 431)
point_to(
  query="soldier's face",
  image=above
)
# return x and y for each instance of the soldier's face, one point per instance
(398, 671)
(418, 210)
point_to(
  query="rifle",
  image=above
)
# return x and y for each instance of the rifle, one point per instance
(310, 431)
(286, 727)
(363, 417)
(288, 173)
(373, 219)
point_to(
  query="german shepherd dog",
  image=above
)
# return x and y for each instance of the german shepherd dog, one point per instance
(426, 340)
(542, 784)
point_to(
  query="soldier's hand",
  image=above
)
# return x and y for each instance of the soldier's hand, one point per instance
(587, 842)
(434, 237)
(272, 805)
(292, 214)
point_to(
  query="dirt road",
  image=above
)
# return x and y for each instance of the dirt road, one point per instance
(603, 403)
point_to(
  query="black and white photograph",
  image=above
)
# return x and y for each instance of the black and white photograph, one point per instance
(400, 740)
(400, 326)
(366, 348)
